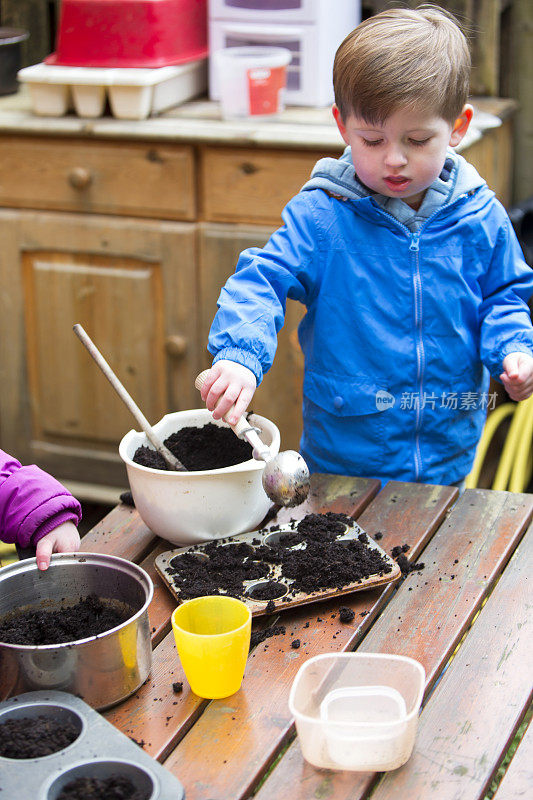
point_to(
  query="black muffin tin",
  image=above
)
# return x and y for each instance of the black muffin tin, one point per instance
(100, 751)
(286, 599)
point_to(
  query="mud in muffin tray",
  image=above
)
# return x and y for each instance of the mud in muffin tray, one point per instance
(168, 562)
(100, 751)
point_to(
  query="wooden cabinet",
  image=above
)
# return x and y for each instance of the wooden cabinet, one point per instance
(244, 185)
(131, 229)
(145, 180)
(132, 285)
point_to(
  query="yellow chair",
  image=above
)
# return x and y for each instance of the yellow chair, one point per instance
(516, 464)
(8, 554)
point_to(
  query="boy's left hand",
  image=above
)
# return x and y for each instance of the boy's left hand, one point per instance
(63, 539)
(517, 375)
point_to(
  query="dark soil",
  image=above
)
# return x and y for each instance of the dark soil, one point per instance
(260, 636)
(34, 737)
(346, 614)
(114, 788)
(324, 563)
(398, 554)
(208, 447)
(127, 499)
(89, 617)
(268, 591)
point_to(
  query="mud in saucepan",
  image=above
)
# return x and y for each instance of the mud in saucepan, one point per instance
(88, 617)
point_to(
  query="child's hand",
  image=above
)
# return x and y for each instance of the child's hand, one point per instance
(63, 539)
(228, 383)
(517, 375)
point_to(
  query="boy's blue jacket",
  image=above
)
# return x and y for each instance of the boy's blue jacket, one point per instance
(402, 328)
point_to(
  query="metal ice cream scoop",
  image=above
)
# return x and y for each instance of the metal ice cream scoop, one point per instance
(285, 476)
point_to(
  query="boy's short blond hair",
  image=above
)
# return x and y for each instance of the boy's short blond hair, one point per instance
(403, 58)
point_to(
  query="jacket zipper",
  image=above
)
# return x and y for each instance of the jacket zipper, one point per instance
(419, 346)
(414, 247)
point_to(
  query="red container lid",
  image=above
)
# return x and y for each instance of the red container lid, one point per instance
(130, 33)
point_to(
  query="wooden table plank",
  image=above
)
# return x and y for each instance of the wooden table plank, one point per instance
(247, 730)
(429, 615)
(120, 533)
(155, 713)
(339, 493)
(136, 715)
(477, 707)
(163, 602)
(517, 783)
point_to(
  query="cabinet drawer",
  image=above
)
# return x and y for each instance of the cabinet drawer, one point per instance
(240, 185)
(144, 180)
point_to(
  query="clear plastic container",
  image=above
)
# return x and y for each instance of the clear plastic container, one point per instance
(357, 711)
(252, 80)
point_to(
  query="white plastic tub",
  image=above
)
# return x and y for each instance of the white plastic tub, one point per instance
(357, 711)
(190, 507)
(252, 80)
(133, 93)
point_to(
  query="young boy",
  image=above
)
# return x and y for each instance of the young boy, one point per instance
(36, 510)
(414, 283)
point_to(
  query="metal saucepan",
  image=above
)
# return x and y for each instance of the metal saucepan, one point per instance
(103, 669)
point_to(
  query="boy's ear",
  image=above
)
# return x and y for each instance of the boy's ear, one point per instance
(461, 125)
(340, 123)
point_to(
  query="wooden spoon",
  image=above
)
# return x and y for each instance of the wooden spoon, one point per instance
(169, 458)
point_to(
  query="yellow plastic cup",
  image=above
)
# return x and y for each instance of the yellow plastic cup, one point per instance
(213, 639)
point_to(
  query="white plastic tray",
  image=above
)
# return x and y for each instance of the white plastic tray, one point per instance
(133, 93)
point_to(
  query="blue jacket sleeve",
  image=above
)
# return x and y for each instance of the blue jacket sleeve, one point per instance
(251, 306)
(507, 287)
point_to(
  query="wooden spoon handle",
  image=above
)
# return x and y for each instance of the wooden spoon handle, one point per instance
(127, 399)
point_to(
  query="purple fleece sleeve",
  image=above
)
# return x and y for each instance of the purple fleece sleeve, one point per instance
(32, 503)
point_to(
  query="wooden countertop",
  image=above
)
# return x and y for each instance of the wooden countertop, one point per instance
(200, 122)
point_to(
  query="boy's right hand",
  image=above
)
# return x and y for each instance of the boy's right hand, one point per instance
(228, 383)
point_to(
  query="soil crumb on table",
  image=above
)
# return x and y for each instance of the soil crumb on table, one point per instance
(35, 737)
(346, 614)
(398, 553)
(90, 616)
(114, 788)
(259, 636)
(324, 562)
(208, 447)
(127, 499)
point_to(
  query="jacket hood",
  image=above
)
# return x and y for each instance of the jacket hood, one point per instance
(337, 176)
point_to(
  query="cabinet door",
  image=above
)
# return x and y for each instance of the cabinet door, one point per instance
(131, 285)
(280, 395)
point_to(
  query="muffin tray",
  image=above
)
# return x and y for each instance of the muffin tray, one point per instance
(164, 565)
(100, 751)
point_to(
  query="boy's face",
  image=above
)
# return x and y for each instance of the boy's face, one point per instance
(402, 156)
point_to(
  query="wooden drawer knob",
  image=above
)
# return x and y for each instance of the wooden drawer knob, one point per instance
(80, 178)
(176, 346)
(248, 168)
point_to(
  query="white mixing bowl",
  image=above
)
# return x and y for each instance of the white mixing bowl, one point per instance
(190, 507)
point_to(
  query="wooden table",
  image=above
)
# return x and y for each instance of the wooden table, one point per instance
(464, 617)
